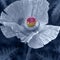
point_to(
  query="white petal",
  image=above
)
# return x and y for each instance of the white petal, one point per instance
(7, 32)
(14, 26)
(35, 42)
(49, 34)
(13, 29)
(29, 37)
(27, 8)
(41, 11)
(45, 36)
(21, 36)
(13, 12)
(17, 11)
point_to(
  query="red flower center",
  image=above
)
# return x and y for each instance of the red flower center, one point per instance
(31, 21)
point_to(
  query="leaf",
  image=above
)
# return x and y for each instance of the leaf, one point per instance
(6, 52)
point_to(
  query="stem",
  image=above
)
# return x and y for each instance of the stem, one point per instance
(28, 54)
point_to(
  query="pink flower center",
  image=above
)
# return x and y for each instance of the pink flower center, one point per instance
(31, 21)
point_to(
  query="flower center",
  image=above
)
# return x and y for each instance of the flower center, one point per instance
(31, 22)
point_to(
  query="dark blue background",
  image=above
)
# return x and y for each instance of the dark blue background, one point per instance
(15, 50)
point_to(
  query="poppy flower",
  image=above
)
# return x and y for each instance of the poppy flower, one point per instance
(27, 20)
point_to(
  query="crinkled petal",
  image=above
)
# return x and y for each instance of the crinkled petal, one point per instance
(45, 36)
(35, 42)
(29, 37)
(27, 8)
(14, 26)
(13, 29)
(7, 32)
(41, 11)
(21, 36)
(17, 11)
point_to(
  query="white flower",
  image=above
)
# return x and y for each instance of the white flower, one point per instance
(15, 23)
